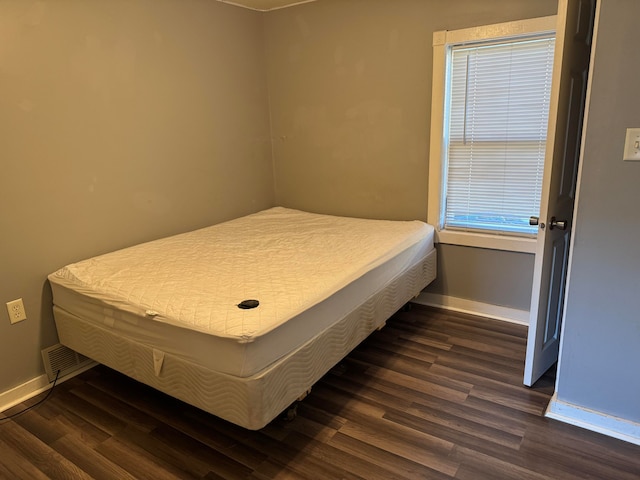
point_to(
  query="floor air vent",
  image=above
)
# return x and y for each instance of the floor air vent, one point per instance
(64, 359)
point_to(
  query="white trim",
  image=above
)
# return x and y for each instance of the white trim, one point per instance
(23, 392)
(515, 28)
(34, 387)
(441, 40)
(472, 307)
(436, 139)
(593, 420)
(493, 242)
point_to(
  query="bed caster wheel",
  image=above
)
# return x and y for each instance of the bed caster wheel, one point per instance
(291, 413)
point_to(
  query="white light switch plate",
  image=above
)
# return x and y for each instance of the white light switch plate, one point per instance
(632, 145)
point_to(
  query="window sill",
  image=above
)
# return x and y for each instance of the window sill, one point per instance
(493, 242)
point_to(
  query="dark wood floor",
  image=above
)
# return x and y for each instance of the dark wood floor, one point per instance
(433, 395)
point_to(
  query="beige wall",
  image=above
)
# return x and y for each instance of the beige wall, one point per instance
(350, 95)
(120, 122)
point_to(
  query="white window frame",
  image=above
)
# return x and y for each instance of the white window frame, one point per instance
(442, 41)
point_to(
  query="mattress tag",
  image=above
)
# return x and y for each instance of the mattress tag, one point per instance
(158, 360)
(108, 317)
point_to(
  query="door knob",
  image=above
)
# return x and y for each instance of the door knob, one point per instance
(536, 221)
(559, 224)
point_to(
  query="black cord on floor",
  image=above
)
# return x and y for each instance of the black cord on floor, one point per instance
(35, 404)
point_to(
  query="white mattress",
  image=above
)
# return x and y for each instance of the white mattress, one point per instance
(179, 295)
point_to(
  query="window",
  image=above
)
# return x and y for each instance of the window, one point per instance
(490, 111)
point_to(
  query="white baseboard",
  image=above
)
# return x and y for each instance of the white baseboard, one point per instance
(593, 420)
(463, 305)
(34, 387)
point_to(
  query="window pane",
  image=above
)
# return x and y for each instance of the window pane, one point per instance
(498, 106)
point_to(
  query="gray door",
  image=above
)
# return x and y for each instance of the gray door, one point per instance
(568, 94)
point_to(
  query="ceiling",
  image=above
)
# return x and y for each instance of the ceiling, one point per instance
(265, 5)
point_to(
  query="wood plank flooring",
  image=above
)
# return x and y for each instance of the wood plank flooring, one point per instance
(433, 395)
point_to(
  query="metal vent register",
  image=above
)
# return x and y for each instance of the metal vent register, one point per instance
(59, 357)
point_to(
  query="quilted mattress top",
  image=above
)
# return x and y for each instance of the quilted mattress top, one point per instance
(286, 259)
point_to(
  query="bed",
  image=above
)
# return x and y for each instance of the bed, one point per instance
(241, 318)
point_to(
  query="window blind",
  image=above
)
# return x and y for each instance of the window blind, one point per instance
(498, 108)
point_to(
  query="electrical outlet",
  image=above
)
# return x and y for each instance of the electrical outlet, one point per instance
(632, 145)
(16, 311)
